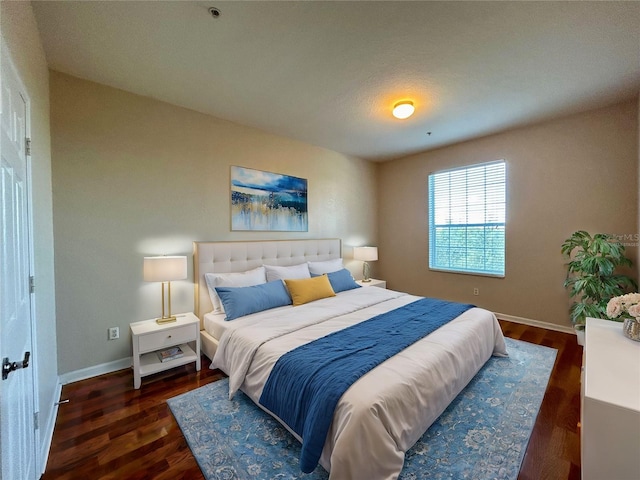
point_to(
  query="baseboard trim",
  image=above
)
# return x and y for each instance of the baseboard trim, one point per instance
(124, 363)
(47, 433)
(535, 323)
(96, 370)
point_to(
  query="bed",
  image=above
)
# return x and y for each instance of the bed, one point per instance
(386, 410)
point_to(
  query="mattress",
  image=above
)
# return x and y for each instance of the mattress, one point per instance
(215, 324)
(388, 409)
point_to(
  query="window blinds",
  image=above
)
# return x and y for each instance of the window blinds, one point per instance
(467, 210)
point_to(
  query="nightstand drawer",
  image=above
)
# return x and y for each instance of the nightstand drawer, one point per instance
(166, 338)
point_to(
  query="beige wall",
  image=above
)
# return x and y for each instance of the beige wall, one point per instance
(20, 33)
(134, 176)
(579, 172)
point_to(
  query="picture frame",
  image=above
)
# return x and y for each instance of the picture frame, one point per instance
(266, 201)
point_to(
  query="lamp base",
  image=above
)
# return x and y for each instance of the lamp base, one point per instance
(166, 320)
(366, 271)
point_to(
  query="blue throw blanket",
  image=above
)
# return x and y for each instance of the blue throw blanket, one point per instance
(306, 383)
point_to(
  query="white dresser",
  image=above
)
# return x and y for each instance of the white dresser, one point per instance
(610, 438)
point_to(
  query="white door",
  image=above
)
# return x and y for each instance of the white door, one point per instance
(17, 411)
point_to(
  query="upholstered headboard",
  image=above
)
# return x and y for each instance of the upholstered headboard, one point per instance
(226, 257)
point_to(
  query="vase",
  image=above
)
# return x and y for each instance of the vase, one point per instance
(579, 329)
(631, 329)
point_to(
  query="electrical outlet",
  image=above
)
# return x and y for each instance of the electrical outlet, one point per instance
(476, 291)
(114, 333)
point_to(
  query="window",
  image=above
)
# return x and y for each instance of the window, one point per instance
(467, 219)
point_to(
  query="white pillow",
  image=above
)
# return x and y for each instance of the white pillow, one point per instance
(287, 273)
(239, 279)
(328, 266)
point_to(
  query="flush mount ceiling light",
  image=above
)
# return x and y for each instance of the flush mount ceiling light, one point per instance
(403, 109)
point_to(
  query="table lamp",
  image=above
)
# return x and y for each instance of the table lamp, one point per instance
(366, 254)
(165, 269)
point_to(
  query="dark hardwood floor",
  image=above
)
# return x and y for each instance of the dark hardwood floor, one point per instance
(109, 430)
(553, 452)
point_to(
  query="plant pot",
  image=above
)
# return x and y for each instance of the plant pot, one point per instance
(631, 329)
(579, 334)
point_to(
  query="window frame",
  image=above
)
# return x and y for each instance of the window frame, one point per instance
(431, 207)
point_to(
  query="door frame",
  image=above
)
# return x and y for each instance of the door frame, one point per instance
(9, 65)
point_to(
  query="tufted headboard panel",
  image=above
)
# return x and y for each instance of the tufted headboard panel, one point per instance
(226, 257)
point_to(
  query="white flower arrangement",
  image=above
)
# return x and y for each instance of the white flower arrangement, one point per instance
(629, 304)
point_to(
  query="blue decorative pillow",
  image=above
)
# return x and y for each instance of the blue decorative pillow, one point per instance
(341, 280)
(241, 301)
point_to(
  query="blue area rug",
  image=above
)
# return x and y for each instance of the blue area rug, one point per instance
(483, 434)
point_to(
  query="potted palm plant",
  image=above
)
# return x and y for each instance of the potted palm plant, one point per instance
(592, 275)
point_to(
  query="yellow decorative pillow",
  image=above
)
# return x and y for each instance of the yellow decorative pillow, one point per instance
(309, 289)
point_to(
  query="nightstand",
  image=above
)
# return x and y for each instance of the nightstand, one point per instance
(149, 337)
(373, 283)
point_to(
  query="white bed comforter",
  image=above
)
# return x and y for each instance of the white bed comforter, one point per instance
(387, 410)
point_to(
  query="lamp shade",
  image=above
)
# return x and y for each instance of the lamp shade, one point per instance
(165, 269)
(366, 254)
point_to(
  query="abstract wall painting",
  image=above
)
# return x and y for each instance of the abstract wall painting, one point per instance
(265, 201)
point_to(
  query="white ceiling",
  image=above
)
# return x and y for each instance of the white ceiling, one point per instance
(328, 73)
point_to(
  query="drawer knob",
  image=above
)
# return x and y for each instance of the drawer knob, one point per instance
(169, 336)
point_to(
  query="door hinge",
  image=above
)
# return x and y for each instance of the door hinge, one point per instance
(27, 146)
(36, 420)
(32, 284)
